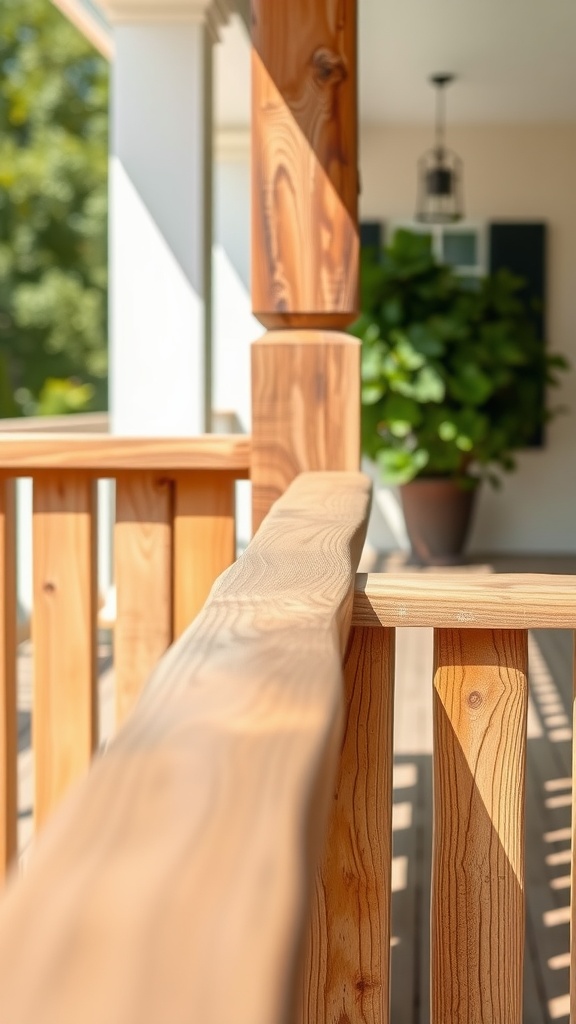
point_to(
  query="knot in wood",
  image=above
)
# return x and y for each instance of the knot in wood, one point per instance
(49, 587)
(475, 699)
(329, 67)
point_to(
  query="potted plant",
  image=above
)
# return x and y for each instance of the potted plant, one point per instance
(453, 379)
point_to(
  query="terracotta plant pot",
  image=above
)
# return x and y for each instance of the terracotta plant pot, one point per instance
(438, 514)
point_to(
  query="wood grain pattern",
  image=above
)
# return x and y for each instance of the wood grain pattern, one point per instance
(63, 634)
(305, 410)
(105, 455)
(480, 709)
(143, 574)
(304, 163)
(204, 540)
(346, 977)
(172, 885)
(8, 719)
(573, 850)
(454, 601)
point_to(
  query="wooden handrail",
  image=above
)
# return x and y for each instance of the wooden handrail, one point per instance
(202, 826)
(455, 601)
(22, 454)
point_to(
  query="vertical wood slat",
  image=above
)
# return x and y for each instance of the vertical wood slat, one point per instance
(480, 710)
(305, 163)
(347, 973)
(8, 713)
(143, 574)
(305, 410)
(204, 539)
(573, 850)
(63, 633)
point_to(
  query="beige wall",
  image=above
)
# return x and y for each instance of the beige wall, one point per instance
(521, 173)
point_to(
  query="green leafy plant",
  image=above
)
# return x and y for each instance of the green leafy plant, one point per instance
(453, 373)
(53, 205)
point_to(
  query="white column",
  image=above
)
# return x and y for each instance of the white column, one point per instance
(160, 215)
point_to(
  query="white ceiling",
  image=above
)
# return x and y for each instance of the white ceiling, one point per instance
(515, 61)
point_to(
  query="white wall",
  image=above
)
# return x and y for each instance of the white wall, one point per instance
(234, 326)
(517, 173)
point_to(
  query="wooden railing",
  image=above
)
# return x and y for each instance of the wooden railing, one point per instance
(174, 534)
(236, 836)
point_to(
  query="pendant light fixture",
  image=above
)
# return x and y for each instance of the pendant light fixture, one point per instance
(440, 170)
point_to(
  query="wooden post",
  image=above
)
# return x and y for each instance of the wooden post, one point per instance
(8, 726)
(573, 854)
(143, 571)
(204, 539)
(304, 163)
(305, 381)
(306, 416)
(305, 409)
(480, 708)
(63, 633)
(348, 977)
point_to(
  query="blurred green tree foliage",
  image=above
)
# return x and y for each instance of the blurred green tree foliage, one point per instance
(53, 202)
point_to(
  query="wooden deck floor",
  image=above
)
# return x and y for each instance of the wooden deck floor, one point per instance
(549, 791)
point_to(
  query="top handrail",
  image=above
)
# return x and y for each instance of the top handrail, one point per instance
(171, 886)
(471, 601)
(23, 454)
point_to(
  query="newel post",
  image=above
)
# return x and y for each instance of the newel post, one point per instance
(306, 416)
(305, 375)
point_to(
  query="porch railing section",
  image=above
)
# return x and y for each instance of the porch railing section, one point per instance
(174, 534)
(236, 837)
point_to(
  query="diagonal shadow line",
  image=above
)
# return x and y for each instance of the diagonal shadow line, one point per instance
(478, 910)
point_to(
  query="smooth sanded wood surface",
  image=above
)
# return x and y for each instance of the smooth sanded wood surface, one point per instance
(8, 719)
(304, 163)
(63, 633)
(478, 917)
(346, 975)
(143, 576)
(305, 409)
(174, 883)
(455, 601)
(23, 454)
(573, 851)
(204, 540)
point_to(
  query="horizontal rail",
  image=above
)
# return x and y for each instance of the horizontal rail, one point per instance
(171, 885)
(454, 601)
(22, 455)
(74, 423)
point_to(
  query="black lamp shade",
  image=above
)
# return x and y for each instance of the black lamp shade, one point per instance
(440, 170)
(439, 188)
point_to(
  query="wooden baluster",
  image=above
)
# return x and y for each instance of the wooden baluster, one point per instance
(63, 633)
(204, 539)
(8, 715)
(349, 941)
(573, 856)
(143, 574)
(480, 708)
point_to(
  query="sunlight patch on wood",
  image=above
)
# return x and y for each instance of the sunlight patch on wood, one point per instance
(559, 1007)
